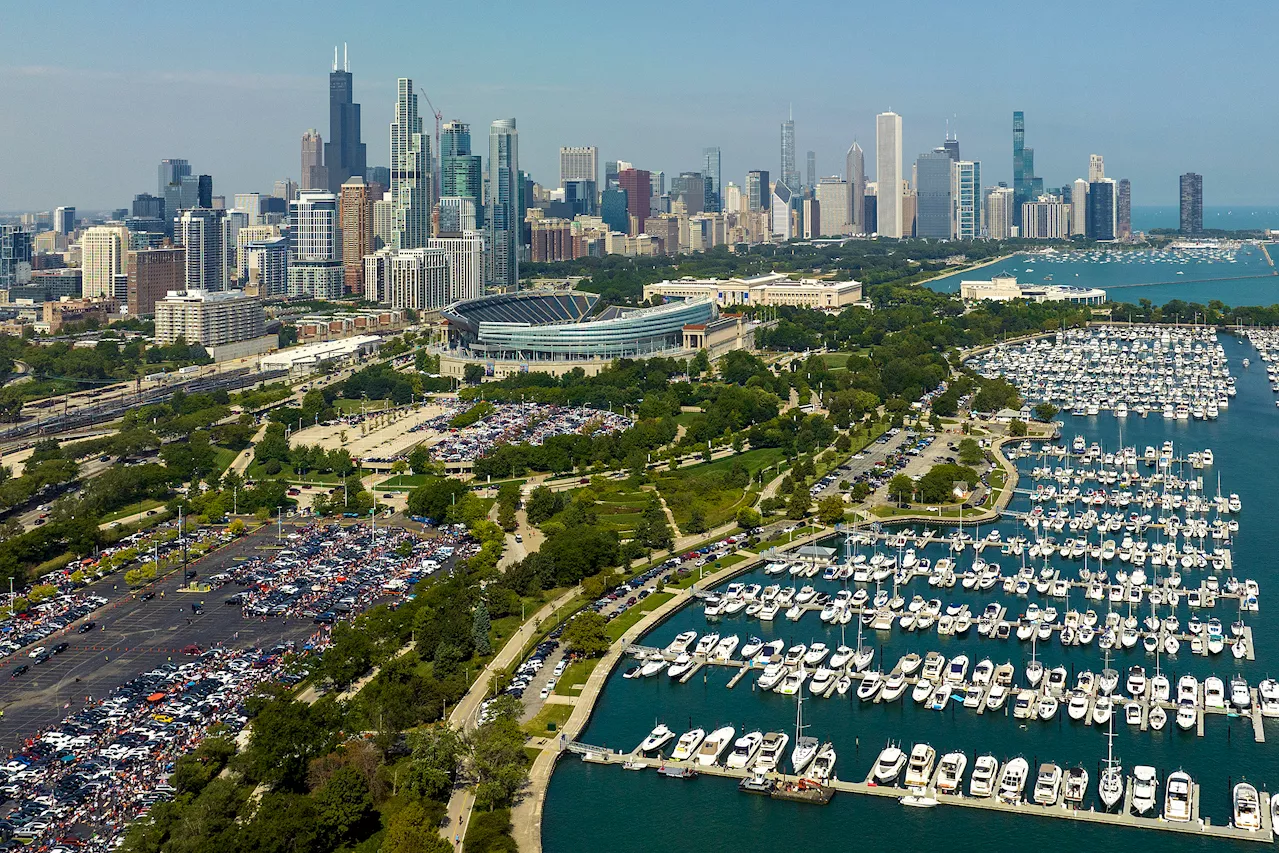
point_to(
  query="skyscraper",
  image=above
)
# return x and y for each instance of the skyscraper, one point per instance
(457, 215)
(170, 172)
(999, 212)
(1026, 186)
(713, 189)
(638, 189)
(1191, 203)
(15, 255)
(64, 220)
(889, 174)
(314, 176)
(579, 164)
(1096, 170)
(1079, 206)
(610, 173)
(790, 176)
(810, 169)
(757, 190)
(315, 266)
(613, 209)
(355, 218)
(461, 172)
(410, 170)
(210, 257)
(104, 254)
(966, 199)
(1101, 222)
(951, 144)
(1124, 226)
(148, 205)
(855, 172)
(781, 222)
(933, 195)
(344, 153)
(691, 189)
(504, 220)
(833, 206)
(152, 273)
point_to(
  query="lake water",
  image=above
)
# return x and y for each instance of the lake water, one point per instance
(1128, 276)
(1230, 218)
(591, 807)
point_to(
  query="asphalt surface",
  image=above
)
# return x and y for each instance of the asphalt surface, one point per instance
(871, 454)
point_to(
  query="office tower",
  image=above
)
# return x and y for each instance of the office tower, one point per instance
(380, 175)
(171, 172)
(148, 206)
(691, 189)
(870, 210)
(951, 144)
(209, 318)
(104, 254)
(636, 184)
(503, 218)
(579, 164)
(1026, 186)
(152, 273)
(712, 188)
(285, 189)
(966, 199)
(657, 183)
(834, 206)
(315, 265)
(182, 194)
(732, 198)
(146, 231)
(457, 215)
(1124, 227)
(384, 221)
(610, 173)
(1101, 221)
(811, 217)
(355, 219)
(811, 169)
(781, 222)
(314, 176)
(344, 153)
(933, 195)
(461, 172)
(1079, 206)
(999, 212)
(15, 255)
(250, 204)
(889, 174)
(206, 235)
(789, 174)
(581, 197)
(855, 173)
(1191, 203)
(267, 267)
(757, 190)
(614, 203)
(464, 252)
(410, 170)
(204, 191)
(246, 235)
(64, 220)
(1096, 171)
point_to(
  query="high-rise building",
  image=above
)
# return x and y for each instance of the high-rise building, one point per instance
(855, 173)
(781, 220)
(1101, 221)
(833, 206)
(712, 188)
(757, 190)
(811, 169)
(999, 212)
(951, 144)
(171, 171)
(461, 172)
(1191, 203)
(613, 209)
(690, 188)
(610, 173)
(152, 273)
(1026, 186)
(250, 204)
(504, 219)
(789, 174)
(638, 189)
(355, 219)
(1044, 219)
(581, 197)
(409, 278)
(889, 174)
(465, 253)
(15, 255)
(315, 265)
(384, 221)
(182, 194)
(148, 206)
(1096, 170)
(206, 235)
(657, 183)
(410, 170)
(285, 189)
(251, 234)
(933, 195)
(344, 153)
(204, 191)
(64, 220)
(314, 176)
(966, 199)
(732, 198)
(208, 318)
(104, 255)
(811, 210)
(1124, 226)
(457, 215)
(1079, 206)
(267, 267)
(580, 163)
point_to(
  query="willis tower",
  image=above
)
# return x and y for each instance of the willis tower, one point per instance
(344, 152)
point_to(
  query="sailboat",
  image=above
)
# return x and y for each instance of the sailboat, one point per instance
(806, 747)
(861, 656)
(1111, 781)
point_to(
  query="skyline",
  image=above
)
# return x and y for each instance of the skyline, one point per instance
(240, 115)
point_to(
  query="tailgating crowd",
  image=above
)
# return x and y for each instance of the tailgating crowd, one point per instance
(513, 423)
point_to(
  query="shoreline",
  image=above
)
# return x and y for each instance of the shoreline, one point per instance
(966, 268)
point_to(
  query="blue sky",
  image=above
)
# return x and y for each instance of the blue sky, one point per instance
(94, 95)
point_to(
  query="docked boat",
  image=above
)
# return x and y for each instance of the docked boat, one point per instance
(920, 765)
(687, 746)
(744, 750)
(682, 664)
(1246, 808)
(657, 739)
(1177, 797)
(772, 748)
(894, 686)
(889, 765)
(870, 686)
(1048, 785)
(1013, 780)
(982, 782)
(823, 768)
(822, 681)
(653, 666)
(1144, 789)
(1075, 785)
(806, 746)
(1240, 698)
(772, 676)
(1214, 693)
(714, 744)
(950, 772)
(681, 643)
(1269, 697)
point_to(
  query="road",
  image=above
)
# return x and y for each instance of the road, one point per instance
(855, 467)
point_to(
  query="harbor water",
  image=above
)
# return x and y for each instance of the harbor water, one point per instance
(1242, 277)
(595, 807)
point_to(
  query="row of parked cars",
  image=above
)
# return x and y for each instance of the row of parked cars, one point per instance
(47, 619)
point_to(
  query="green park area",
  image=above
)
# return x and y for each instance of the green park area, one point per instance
(705, 496)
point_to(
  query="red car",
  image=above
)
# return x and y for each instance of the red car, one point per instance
(192, 649)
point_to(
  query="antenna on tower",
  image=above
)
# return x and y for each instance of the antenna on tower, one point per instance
(345, 67)
(335, 57)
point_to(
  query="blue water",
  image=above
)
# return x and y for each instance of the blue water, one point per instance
(1131, 276)
(1226, 218)
(606, 808)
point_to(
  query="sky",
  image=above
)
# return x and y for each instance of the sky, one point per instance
(94, 96)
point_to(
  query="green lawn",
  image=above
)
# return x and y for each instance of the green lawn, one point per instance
(554, 714)
(707, 486)
(785, 538)
(222, 459)
(619, 505)
(404, 481)
(345, 406)
(574, 677)
(619, 626)
(948, 512)
(836, 360)
(686, 418)
(131, 509)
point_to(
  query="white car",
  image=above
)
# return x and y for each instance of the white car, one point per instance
(36, 651)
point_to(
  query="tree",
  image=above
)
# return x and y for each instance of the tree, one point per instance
(831, 509)
(344, 805)
(969, 452)
(433, 498)
(542, 504)
(480, 630)
(860, 491)
(412, 831)
(498, 759)
(236, 527)
(801, 502)
(697, 521)
(1017, 427)
(748, 518)
(1044, 412)
(585, 635)
(473, 374)
(436, 753)
(901, 488)
(419, 460)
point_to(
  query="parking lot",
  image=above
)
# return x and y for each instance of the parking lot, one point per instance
(873, 464)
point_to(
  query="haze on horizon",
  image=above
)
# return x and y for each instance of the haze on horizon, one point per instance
(93, 100)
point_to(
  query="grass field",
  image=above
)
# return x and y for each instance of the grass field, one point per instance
(836, 360)
(575, 676)
(619, 505)
(619, 626)
(345, 406)
(948, 512)
(552, 713)
(222, 459)
(404, 481)
(785, 538)
(131, 509)
(709, 489)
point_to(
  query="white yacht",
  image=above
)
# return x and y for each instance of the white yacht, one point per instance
(1013, 780)
(982, 782)
(950, 772)
(657, 739)
(744, 750)
(1246, 808)
(1177, 797)
(920, 765)
(772, 748)
(687, 746)
(1144, 789)
(1048, 785)
(889, 765)
(714, 744)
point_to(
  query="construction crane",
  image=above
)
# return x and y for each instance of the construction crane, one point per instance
(435, 173)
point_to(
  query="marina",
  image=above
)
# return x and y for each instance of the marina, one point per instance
(1217, 744)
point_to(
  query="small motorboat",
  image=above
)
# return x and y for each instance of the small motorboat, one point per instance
(982, 782)
(1048, 785)
(950, 772)
(889, 765)
(1246, 808)
(687, 746)
(657, 738)
(1177, 797)
(1144, 789)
